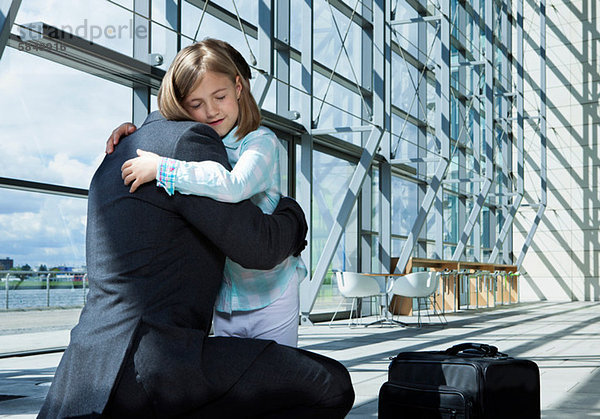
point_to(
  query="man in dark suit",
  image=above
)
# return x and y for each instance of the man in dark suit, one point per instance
(155, 262)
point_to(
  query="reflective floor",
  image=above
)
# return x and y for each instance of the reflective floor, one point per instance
(562, 338)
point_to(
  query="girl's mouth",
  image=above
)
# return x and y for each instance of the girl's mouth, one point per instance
(217, 122)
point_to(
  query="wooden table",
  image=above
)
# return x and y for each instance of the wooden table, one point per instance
(485, 290)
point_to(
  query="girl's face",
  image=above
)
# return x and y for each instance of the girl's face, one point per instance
(215, 102)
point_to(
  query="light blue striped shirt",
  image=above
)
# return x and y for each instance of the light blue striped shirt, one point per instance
(255, 175)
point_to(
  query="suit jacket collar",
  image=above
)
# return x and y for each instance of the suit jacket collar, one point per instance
(154, 116)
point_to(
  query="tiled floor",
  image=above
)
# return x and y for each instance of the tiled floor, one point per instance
(562, 338)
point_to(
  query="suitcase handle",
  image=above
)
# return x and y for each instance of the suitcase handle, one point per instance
(479, 348)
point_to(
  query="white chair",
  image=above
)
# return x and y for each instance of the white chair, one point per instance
(419, 285)
(354, 285)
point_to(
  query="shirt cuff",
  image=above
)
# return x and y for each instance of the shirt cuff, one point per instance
(165, 174)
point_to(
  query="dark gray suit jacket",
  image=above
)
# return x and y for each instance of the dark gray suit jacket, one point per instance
(155, 264)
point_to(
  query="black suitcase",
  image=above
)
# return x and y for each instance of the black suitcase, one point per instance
(466, 381)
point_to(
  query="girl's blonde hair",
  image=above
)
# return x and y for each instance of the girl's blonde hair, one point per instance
(188, 69)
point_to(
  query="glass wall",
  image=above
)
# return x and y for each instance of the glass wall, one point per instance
(341, 73)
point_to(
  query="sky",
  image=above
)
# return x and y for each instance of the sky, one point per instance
(55, 121)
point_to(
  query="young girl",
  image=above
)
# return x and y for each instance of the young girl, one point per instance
(209, 82)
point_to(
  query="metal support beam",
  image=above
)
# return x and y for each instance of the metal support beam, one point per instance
(142, 46)
(366, 225)
(529, 238)
(385, 208)
(506, 83)
(415, 20)
(476, 132)
(519, 59)
(48, 188)
(8, 13)
(173, 19)
(443, 110)
(368, 196)
(79, 54)
(415, 160)
(423, 47)
(356, 182)
(543, 139)
(306, 77)
(489, 135)
(463, 180)
(305, 185)
(337, 130)
(382, 110)
(265, 52)
(305, 199)
(282, 56)
(462, 137)
(470, 63)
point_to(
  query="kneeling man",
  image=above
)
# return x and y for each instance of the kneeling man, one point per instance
(155, 263)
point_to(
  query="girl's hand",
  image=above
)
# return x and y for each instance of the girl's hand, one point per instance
(140, 170)
(121, 131)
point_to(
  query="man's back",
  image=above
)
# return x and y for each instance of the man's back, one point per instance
(140, 242)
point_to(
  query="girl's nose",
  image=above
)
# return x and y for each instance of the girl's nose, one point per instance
(211, 109)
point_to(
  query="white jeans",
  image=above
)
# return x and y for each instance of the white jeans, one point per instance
(278, 321)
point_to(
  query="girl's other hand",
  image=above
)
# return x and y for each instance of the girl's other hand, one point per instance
(140, 170)
(121, 131)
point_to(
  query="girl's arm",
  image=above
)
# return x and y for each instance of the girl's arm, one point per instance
(253, 173)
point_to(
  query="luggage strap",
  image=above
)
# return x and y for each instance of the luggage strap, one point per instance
(474, 349)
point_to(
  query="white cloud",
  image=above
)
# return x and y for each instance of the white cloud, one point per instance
(70, 170)
(53, 232)
(46, 114)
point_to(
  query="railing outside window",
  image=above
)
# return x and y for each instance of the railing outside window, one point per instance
(36, 289)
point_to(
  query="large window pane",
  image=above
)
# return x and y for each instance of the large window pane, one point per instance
(330, 28)
(406, 35)
(404, 84)
(451, 218)
(55, 120)
(485, 228)
(113, 28)
(404, 141)
(404, 205)
(337, 106)
(249, 14)
(207, 26)
(331, 177)
(375, 194)
(39, 229)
